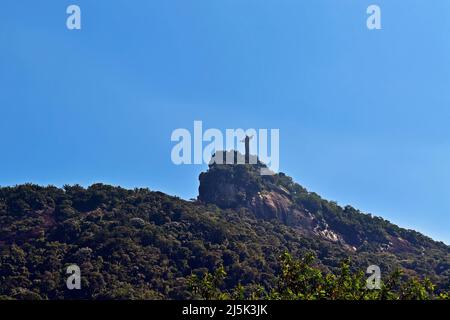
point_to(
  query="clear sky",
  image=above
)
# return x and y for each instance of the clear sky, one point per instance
(363, 115)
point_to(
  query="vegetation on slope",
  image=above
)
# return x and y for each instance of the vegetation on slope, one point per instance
(301, 280)
(139, 244)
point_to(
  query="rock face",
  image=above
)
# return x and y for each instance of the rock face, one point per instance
(271, 205)
(230, 185)
(278, 198)
(233, 186)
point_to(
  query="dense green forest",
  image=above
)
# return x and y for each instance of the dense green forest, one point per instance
(140, 244)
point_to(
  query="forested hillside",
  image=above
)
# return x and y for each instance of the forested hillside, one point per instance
(140, 244)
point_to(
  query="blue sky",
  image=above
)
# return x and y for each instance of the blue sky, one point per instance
(363, 115)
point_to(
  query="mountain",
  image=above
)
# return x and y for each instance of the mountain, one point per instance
(140, 244)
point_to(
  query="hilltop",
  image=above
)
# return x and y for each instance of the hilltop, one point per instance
(142, 244)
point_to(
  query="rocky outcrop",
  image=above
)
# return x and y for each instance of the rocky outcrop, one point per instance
(231, 186)
(271, 205)
(278, 198)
